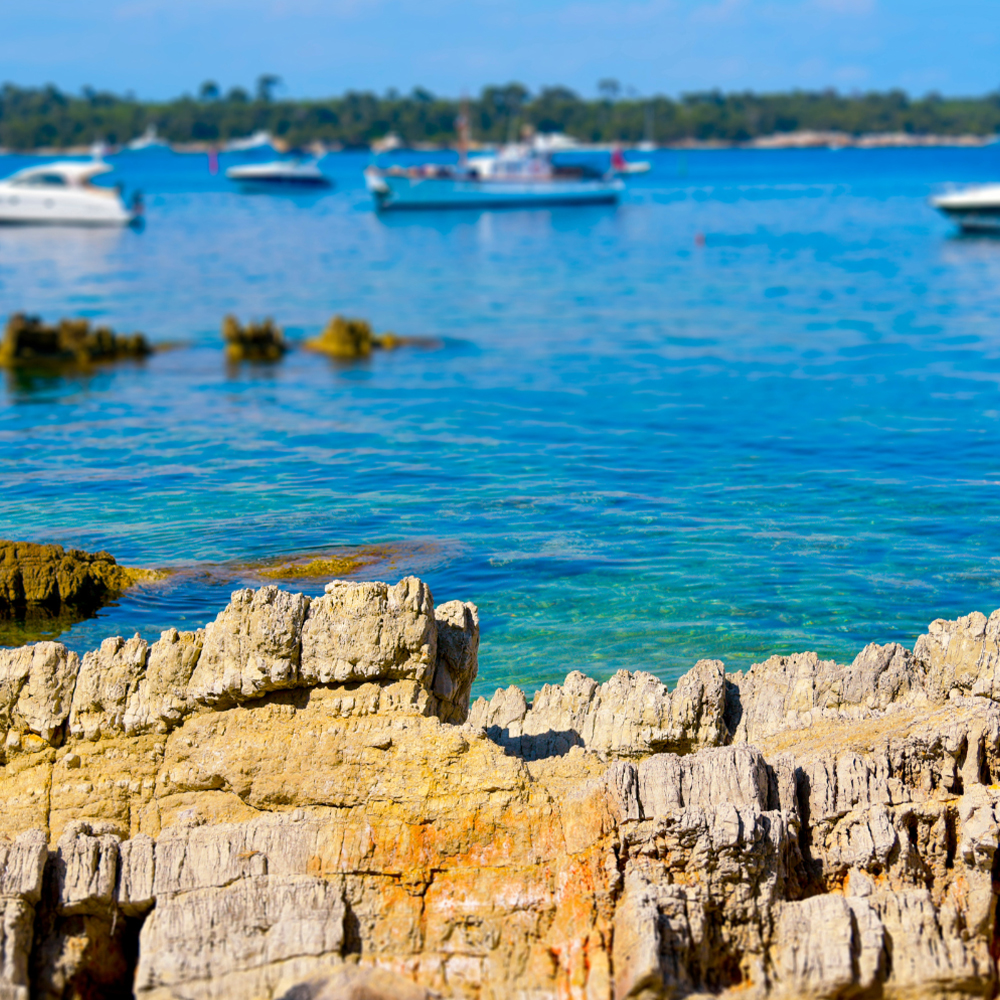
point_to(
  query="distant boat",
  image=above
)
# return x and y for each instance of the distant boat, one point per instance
(554, 142)
(387, 143)
(258, 140)
(975, 209)
(622, 166)
(518, 176)
(62, 194)
(148, 140)
(280, 174)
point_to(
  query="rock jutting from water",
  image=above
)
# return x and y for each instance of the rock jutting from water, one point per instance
(348, 339)
(28, 343)
(50, 575)
(45, 589)
(264, 341)
(297, 801)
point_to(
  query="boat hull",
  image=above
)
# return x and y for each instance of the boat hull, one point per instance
(394, 193)
(279, 176)
(282, 183)
(984, 220)
(974, 210)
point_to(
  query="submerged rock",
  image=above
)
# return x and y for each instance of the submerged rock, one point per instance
(263, 341)
(296, 802)
(327, 566)
(28, 342)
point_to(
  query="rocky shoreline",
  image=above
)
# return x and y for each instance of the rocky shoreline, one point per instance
(298, 801)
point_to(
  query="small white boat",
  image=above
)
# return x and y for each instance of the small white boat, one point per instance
(280, 174)
(517, 177)
(975, 209)
(555, 142)
(148, 140)
(259, 140)
(387, 144)
(62, 194)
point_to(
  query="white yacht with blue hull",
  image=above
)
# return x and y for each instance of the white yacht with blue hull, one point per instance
(517, 177)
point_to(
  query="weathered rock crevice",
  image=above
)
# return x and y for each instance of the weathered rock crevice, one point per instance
(298, 800)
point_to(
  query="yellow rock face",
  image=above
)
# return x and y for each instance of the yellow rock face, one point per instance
(250, 821)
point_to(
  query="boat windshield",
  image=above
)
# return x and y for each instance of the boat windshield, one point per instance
(40, 180)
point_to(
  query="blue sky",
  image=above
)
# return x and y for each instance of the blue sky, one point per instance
(159, 48)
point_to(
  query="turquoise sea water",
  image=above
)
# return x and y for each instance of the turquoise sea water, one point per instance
(630, 449)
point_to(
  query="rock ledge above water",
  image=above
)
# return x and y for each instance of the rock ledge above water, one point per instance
(298, 800)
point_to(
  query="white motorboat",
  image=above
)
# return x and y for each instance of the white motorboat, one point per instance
(148, 140)
(280, 174)
(975, 209)
(518, 176)
(259, 140)
(62, 194)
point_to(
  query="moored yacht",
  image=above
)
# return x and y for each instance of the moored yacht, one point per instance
(975, 209)
(518, 176)
(62, 194)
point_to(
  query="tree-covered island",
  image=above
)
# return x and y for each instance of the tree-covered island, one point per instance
(45, 117)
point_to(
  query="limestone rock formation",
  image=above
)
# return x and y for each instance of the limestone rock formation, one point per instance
(629, 715)
(297, 803)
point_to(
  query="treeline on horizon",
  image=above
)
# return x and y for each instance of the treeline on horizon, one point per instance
(31, 118)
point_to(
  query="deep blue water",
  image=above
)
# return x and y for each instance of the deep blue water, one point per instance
(631, 450)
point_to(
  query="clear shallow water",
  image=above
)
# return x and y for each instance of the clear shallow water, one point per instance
(630, 450)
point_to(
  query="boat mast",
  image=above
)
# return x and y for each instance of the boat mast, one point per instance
(462, 126)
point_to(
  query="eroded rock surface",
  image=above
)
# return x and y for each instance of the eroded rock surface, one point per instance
(297, 802)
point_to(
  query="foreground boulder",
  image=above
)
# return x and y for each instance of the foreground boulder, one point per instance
(298, 801)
